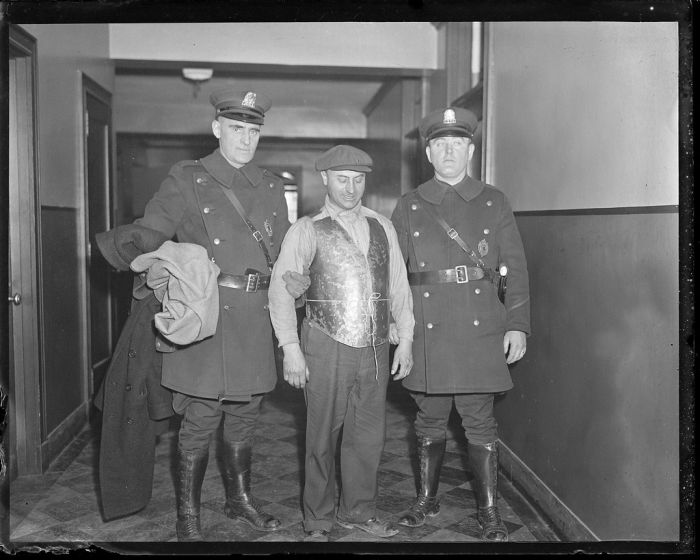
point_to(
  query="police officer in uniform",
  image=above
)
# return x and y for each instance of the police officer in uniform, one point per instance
(465, 337)
(226, 374)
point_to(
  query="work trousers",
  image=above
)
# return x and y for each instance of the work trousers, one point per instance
(201, 418)
(475, 410)
(346, 389)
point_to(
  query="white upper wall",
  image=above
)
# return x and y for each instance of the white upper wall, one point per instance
(583, 114)
(363, 44)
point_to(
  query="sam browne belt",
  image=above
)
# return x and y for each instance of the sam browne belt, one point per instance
(249, 282)
(459, 274)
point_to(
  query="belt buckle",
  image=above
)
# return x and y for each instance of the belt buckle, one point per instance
(462, 274)
(253, 282)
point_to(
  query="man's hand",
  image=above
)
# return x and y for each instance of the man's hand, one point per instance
(403, 360)
(393, 334)
(514, 346)
(296, 283)
(294, 366)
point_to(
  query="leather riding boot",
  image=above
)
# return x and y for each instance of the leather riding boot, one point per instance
(239, 502)
(191, 466)
(483, 462)
(430, 454)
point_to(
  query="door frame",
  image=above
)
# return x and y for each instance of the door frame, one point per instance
(26, 362)
(92, 88)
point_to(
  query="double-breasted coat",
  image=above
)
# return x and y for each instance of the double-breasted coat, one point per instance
(191, 206)
(458, 337)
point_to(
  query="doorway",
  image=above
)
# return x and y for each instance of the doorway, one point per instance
(98, 161)
(24, 289)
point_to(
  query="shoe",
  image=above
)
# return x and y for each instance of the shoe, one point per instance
(483, 462)
(430, 454)
(191, 466)
(317, 535)
(372, 526)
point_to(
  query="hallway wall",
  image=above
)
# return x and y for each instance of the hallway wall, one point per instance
(64, 52)
(583, 137)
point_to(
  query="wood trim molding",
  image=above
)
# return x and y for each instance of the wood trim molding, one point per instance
(566, 521)
(63, 434)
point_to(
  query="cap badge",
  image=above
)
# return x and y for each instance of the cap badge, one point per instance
(448, 117)
(249, 100)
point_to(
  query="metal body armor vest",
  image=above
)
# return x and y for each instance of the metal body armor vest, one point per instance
(348, 295)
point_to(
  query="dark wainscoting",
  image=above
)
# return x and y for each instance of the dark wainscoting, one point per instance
(594, 411)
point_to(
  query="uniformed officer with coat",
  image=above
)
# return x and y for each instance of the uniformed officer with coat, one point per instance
(461, 241)
(228, 373)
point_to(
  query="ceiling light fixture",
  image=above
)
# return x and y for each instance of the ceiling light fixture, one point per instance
(197, 76)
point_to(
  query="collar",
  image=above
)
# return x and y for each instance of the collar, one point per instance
(335, 211)
(218, 167)
(434, 190)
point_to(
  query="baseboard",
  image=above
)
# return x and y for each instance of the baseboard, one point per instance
(63, 434)
(566, 521)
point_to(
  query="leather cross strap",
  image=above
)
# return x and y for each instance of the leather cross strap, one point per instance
(452, 234)
(459, 274)
(256, 234)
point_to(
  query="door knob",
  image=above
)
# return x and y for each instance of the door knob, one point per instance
(16, 299)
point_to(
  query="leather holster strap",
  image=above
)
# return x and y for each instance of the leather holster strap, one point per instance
(459, 275)
(247, 282)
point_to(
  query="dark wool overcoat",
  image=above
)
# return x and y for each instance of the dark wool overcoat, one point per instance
(458, 337)
(191, 207)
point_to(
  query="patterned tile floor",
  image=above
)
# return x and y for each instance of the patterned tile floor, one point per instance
(62, 506)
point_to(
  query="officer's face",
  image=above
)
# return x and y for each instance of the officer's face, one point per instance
(237, 139)
(449, 156)
(345, 187)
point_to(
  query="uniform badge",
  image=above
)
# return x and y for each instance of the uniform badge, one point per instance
(448, 117)
(249, 100)
(268, 227)
(483, 247)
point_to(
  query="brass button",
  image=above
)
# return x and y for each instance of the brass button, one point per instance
(264, 306)
(128, 388)
(426, 294)
(476, 322)
(226, 307)
(206, 210)
(272, 185)
(416, 234)
(132, 353)
(489, 203)
(213, 260)
(200, 180)
(217, 241)
(274, 213)
(414, 207)
(429, 325)
(477, 290)
(487, 231)
(422, 264)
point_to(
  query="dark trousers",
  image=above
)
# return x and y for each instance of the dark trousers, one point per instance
(346, 389)
(201, 418)
(475, 409)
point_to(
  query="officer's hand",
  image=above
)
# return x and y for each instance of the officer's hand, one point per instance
(294, 366)
(393, 333)
(296, 283)
(514, 346)
(403, 360)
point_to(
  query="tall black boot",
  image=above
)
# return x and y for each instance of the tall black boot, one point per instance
(483, 462)
(430, 454)
(239, 502)
(191, 466)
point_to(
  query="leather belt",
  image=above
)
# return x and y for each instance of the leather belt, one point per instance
(247, 282)
(459, 274)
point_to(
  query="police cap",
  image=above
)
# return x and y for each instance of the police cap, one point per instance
(241, 105)
(343, 157)
(452, 121)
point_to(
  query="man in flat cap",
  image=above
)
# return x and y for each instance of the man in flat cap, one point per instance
(461, 242)
(237, 212)
(358, 281)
